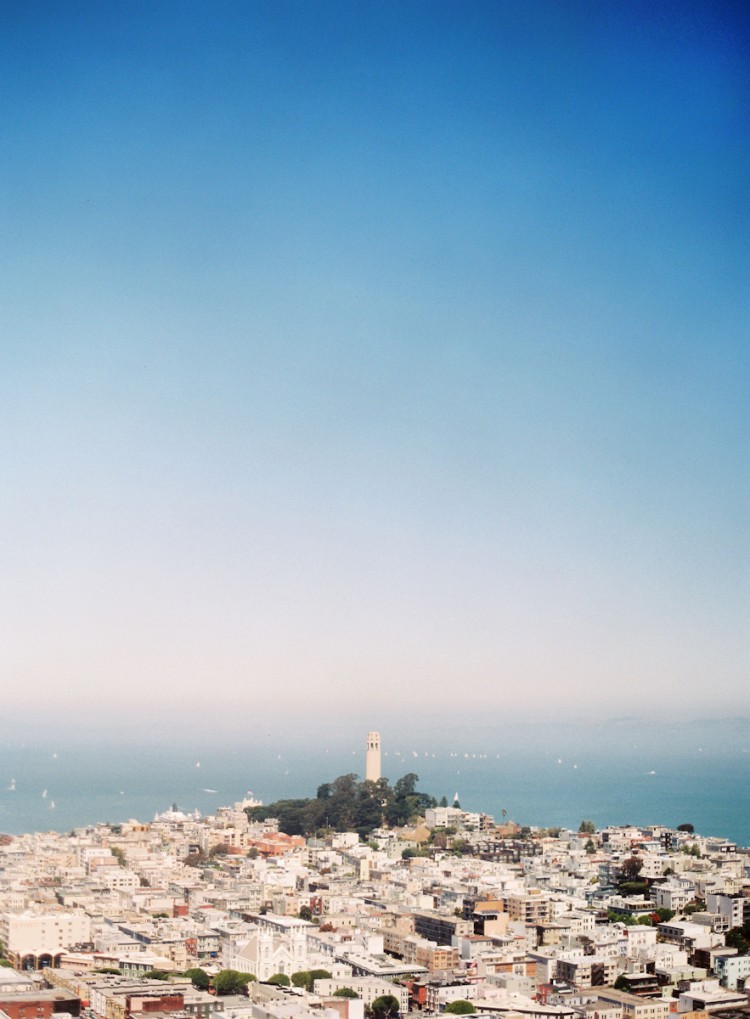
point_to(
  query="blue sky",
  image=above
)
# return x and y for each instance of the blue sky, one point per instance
(363, 347)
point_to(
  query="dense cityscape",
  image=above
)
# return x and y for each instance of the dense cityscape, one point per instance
(450, 911)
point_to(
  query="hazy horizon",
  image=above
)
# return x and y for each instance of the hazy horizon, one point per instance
(48, 730)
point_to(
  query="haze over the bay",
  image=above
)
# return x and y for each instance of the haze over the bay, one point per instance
(367, 357)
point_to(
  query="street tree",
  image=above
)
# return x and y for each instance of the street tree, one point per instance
(632, 867)
(385, 1007)
(306, 977)
(231, 981)
(198, 978)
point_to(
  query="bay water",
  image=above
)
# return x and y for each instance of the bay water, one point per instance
(623, 771)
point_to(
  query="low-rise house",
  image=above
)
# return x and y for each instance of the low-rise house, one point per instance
(710, 996)
(368, 989)
(36, 1004)
(733, 970)
(688, 936)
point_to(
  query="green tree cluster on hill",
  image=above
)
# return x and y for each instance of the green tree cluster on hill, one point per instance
(230, 981)
(199, 978)
(306, 977)
(346, 804)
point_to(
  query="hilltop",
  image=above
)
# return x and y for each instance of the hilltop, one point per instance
(348, 804)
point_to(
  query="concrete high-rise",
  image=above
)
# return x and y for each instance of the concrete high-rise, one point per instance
(372, 760)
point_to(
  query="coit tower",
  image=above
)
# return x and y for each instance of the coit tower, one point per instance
(372, 760)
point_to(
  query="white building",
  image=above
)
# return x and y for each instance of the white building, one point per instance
(710, 996)
(368, 988)
(689, 936)
(731, 969)
(673, 895)
(730, 906)
(442, 817)
(33, 940)
(267, 952)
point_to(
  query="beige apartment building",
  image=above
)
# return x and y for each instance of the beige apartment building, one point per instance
(532, 907)
(634, 1007)
(36, 940)
(587, 970)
